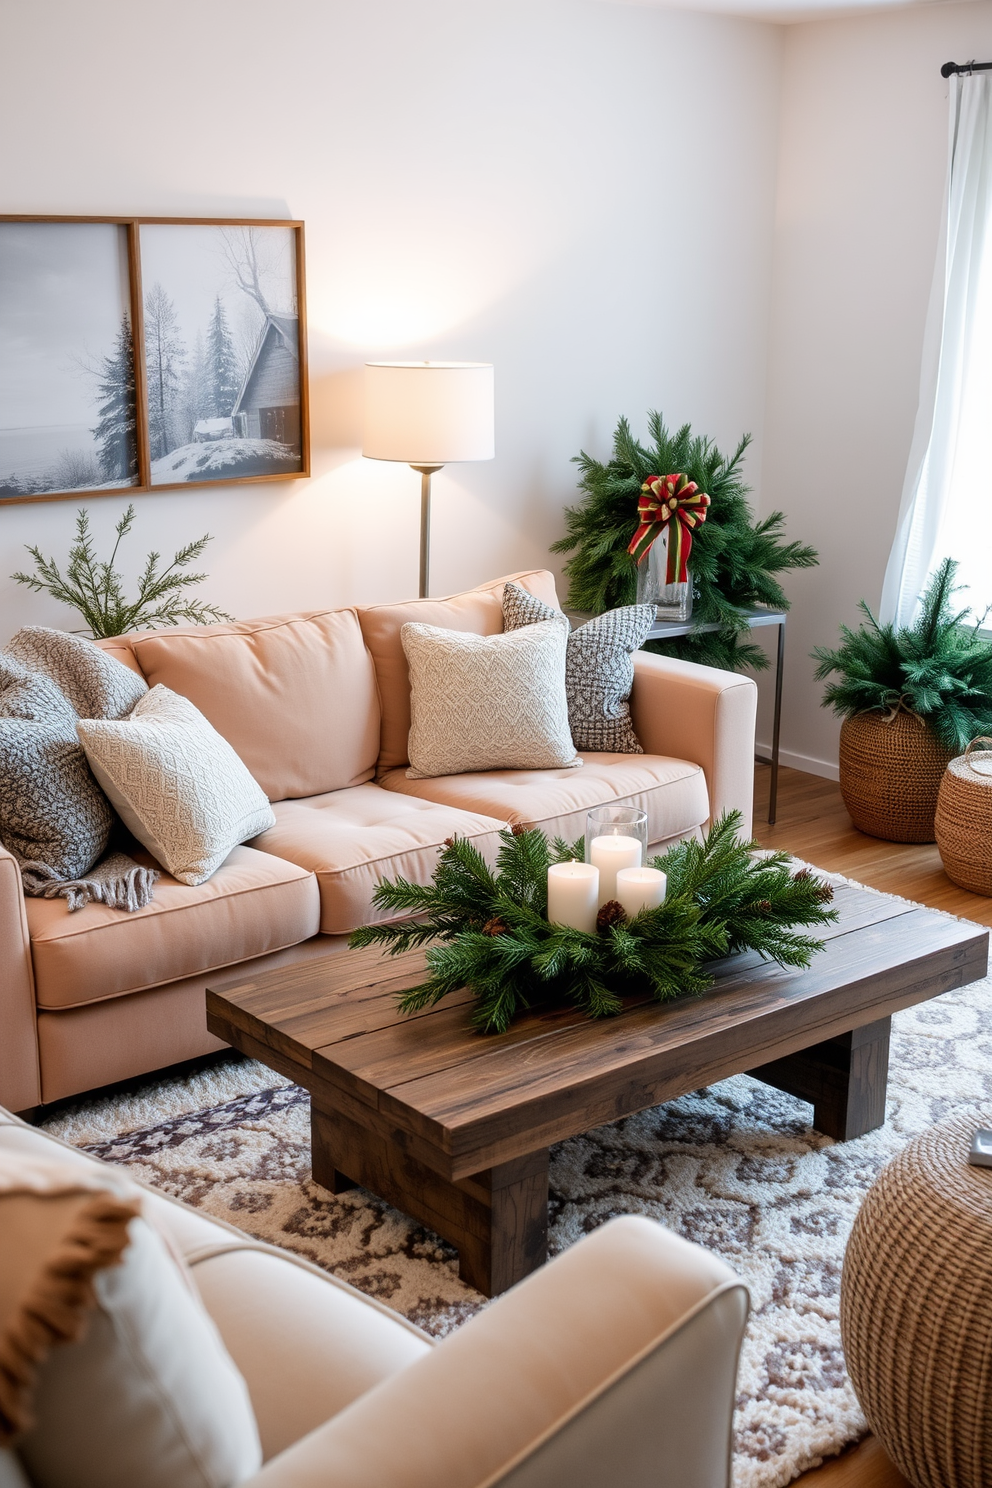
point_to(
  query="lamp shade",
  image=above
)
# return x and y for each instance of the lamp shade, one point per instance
(428, 413)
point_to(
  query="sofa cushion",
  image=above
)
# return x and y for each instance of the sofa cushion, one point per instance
(671, 791)
(354, 839)
(479, 611)
(254, 903)
(294, 695)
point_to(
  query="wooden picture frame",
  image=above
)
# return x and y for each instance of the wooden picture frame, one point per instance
(151, 331)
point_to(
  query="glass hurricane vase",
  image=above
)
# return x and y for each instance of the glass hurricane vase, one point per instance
(671, 601)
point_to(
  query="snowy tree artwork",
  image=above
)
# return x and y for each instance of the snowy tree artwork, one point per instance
(147, 353)
(222, 351)
(67, 387)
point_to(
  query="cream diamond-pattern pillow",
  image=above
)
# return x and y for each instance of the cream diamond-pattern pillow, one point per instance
(487, 702)
(177, 785)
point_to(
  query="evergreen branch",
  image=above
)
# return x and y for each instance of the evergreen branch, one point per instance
(96, 589)
(487, 929)
(938, 667)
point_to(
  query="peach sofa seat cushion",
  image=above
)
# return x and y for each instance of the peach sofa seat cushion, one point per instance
(671, 791)
(294, 695)
(479, 611)
(354, 839)
(253, 904)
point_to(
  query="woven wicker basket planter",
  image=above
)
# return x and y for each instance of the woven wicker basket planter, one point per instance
(890, 774)
(914, 1309)
(964, 820)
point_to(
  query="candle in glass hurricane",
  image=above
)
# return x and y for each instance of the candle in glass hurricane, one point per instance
(610, 855)
(640, 888)
(573, 895)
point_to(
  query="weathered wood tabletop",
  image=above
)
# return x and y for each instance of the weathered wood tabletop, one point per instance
(453, 1127)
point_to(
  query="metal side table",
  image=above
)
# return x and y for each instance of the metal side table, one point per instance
(670, 630)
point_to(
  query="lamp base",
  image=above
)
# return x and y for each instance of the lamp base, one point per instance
(426, 471)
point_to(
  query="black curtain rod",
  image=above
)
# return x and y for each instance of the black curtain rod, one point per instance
(951, 67)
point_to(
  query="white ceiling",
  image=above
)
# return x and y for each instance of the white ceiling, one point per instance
(783, 11)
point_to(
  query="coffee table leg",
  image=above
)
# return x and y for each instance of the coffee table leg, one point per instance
(844, 1078)
(497, 1220)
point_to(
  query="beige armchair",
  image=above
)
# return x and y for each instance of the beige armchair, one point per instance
(615, 1364)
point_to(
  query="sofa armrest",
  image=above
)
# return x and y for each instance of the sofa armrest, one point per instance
(616, 1363)
(20, 1080)
(701, 714)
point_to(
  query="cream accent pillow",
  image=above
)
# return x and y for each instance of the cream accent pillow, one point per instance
(488, 702)
(113, 1373)
(177, 785)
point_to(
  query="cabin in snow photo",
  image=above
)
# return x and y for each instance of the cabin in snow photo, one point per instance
(268, 405)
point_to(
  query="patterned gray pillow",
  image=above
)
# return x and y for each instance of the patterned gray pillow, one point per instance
(599, 672)
(52, 812)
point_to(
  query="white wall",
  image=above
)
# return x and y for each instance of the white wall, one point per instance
(862, 166)
(581, 193)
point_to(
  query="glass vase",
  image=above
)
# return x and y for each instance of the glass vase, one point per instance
(671, 601)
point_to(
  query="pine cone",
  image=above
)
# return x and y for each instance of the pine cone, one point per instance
(495, 926)
(449, 841)
(761, 907)
(611, 913)
(803, 873)
(519, 828)
(824, 893)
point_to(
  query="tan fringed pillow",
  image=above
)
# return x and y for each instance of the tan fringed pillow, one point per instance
(111, 1372)
(492, 702)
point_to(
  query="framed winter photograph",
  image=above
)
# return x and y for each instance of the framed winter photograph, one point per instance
(67, 391)
(148, 353)
(224, 366)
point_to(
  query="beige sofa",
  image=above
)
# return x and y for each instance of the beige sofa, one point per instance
(318, 707)
(614, 1364)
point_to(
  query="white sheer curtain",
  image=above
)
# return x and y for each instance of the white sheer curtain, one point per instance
(946, 509)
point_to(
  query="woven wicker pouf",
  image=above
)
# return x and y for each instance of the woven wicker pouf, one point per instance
(890, 773)
(916, 1309)
(963, 822)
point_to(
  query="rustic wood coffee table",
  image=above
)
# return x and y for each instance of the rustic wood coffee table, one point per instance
(454, 1127)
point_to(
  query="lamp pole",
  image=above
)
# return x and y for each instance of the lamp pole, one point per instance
(426, 471)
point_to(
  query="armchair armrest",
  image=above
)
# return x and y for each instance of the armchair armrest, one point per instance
(20, 1079)
(616, 1363)
(701, 714)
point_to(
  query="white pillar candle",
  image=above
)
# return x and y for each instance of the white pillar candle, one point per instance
(573, 895)
(641, 888)
(609, 855)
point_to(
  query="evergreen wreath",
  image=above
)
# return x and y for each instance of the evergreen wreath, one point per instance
(735, 559)
(496, 940)
(938, 668)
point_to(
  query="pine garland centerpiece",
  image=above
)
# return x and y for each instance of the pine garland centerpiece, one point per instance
(488, 930)
(735, 559)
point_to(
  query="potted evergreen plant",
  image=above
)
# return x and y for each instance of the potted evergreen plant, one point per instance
(911, 698)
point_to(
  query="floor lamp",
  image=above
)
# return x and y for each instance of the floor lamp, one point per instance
(428, 414)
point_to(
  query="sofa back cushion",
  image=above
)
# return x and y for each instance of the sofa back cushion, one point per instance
(479, 611)
(294, 695)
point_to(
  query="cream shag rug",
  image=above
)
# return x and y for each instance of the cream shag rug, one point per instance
(735, 1167)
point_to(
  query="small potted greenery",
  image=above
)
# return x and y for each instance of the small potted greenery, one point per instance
(911, 698)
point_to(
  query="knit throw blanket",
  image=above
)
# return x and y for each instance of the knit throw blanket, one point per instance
(54, 818)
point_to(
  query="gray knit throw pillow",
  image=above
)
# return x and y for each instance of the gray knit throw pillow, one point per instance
(53, 815)
(599, 671)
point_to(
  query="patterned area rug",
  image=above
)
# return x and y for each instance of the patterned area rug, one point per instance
(735, 1167)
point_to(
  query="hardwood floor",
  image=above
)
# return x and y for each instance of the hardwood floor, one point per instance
(813, 824)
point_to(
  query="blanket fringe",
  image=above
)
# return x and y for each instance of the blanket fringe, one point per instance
(117, 881)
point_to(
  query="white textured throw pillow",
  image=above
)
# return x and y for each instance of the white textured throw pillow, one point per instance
(488, 702)
(177, 785)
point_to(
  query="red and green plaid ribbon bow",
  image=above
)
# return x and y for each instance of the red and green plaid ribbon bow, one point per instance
(677, 501)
